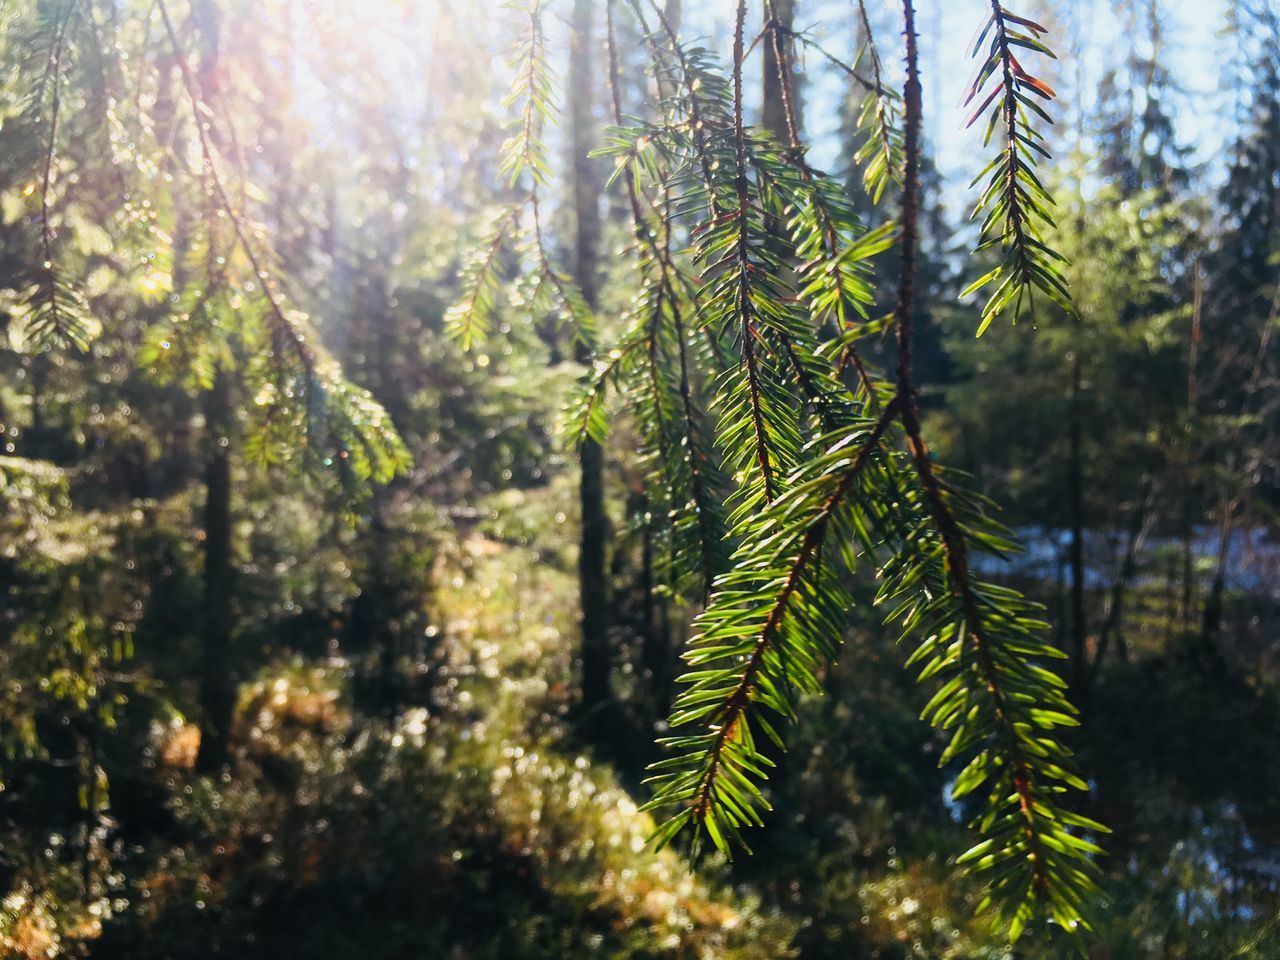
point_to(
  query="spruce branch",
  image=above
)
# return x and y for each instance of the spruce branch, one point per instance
(1003, 708)
(1013, 202)
(750, 659)
(53, 313)
(826, 232)
(334, 413)
(470, 320)
(691, 479)
(777, 615)
(524, 158)
(881, 152)
(745, 305)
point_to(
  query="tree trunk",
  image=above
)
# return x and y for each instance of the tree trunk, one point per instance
(656, 651)
(1075, 498)
(1113, 622)
(674, 11)
(217, 686)
(592, 557)
(1211, 623)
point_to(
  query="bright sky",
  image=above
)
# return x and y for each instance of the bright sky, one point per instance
(1192, 48)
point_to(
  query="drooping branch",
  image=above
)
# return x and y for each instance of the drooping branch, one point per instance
(750, 656)
(743, 267)
(56, 312)
(524, 158)
(1013, 199)
(778, 613)
(710, 534)
(1051, 880)
(370, 446)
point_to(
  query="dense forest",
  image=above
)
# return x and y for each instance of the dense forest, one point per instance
(639, 479)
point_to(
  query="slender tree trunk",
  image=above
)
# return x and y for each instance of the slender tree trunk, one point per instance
(217, 683)
(217, 686)
(674, 12)
(1193, 397)
(1187, 602)
(1075, 498)
(39, 371)
(592, 557)
(91, 799)
(656, 651)
(1211, 624)
(1113, 622)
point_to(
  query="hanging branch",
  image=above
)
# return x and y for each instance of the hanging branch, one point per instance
(1013, 200)
(470, 320)
(830, 241)
(774, 618)
(779, 613)
(524, 155)
(54, 313)
(743, 268)
(687, 463)
(742, 298)
(881, 152)
(758, 646)
(367, 445)
(985, 636)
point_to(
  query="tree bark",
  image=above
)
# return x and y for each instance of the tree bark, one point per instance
(592, 556)
(217, 682)
(1075, 498)
(217, 685)
(1211, 622)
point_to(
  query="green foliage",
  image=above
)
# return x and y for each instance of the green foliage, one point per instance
(469, 321)
(525, 153)
(984, 650)
(880, 155)
(773, 620)
(50, 313)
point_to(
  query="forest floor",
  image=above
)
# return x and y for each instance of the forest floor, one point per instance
(473, 823)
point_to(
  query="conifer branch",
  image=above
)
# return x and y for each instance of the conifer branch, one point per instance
(1055, 867)
(727, 720)
(881, 152)
(835, 283)
(331, 408)
(709, 526)
(749, 656)
(744, 266)
(524, 154)
(54, 313)
(778, 613)
(469, 320)
(1013, 201)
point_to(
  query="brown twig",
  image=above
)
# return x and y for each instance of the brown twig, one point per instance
(731, 713)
